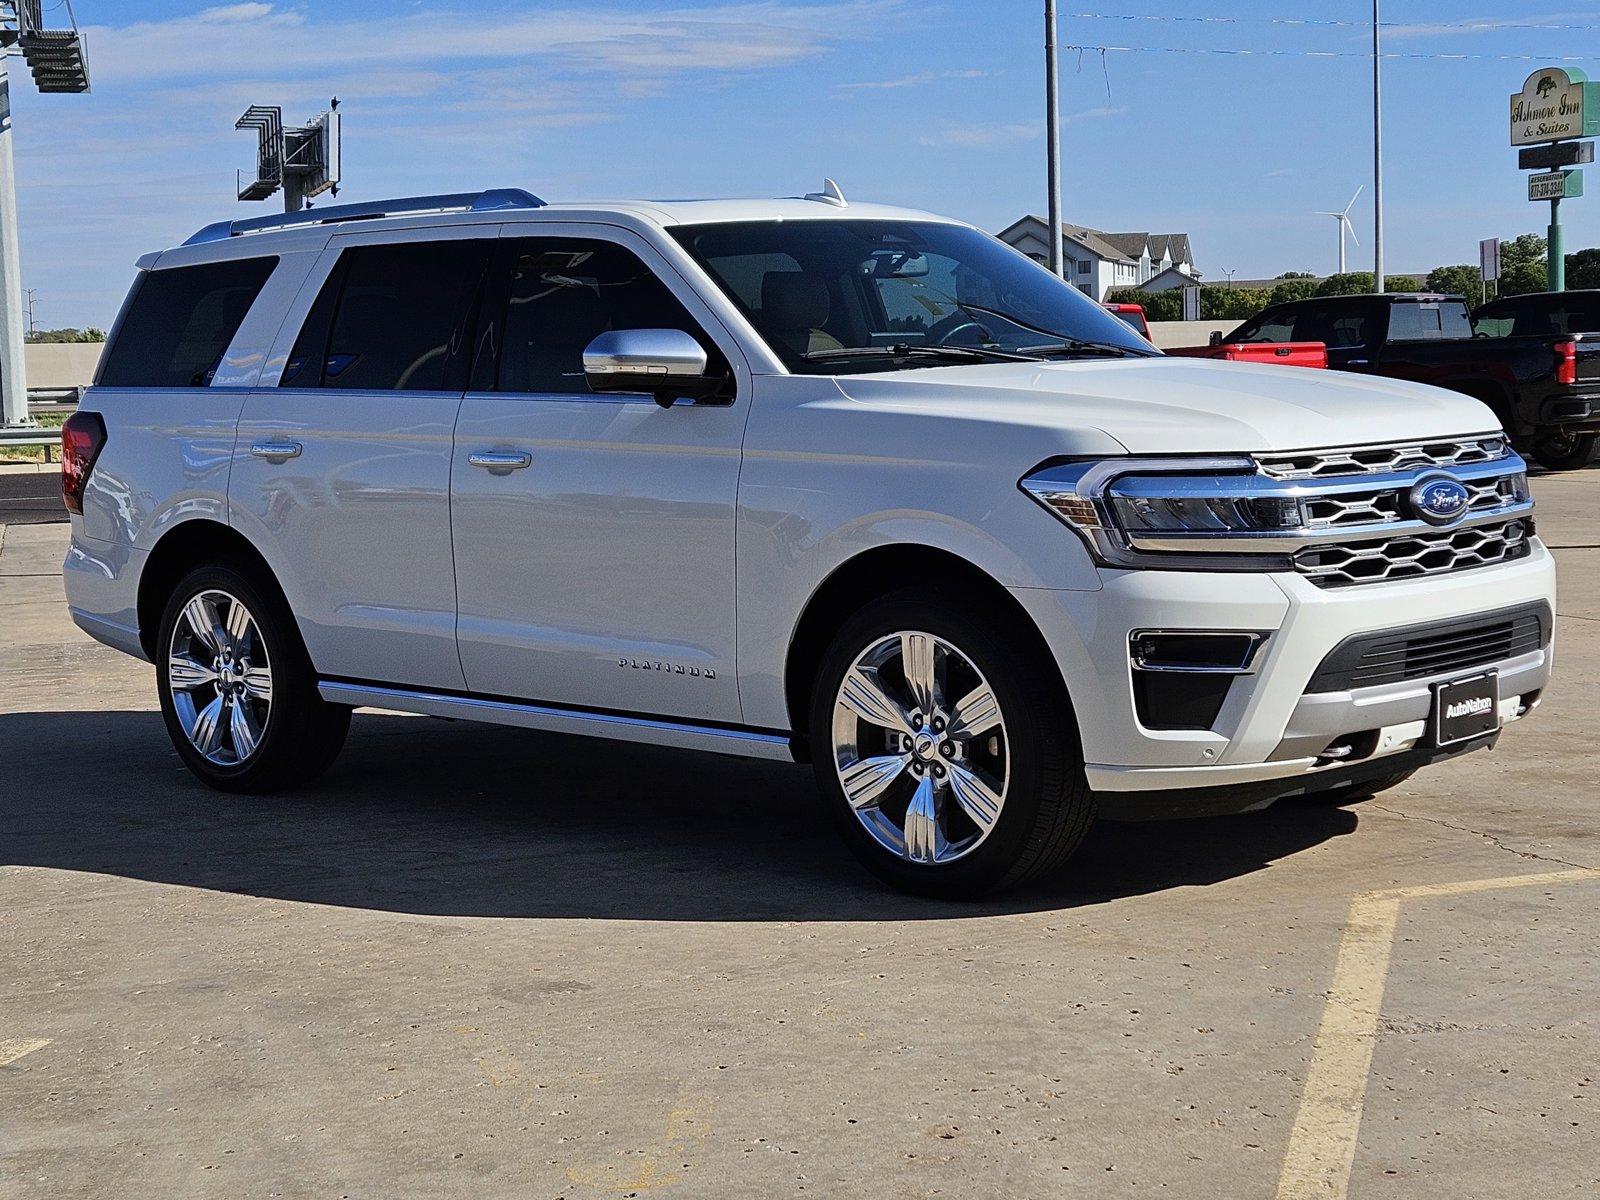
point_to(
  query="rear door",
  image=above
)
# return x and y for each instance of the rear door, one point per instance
(342, 471)
(594, 533)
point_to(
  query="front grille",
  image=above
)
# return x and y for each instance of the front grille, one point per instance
(1386, 504)
(1376, 460)
(1411, 556)
(1437, 648)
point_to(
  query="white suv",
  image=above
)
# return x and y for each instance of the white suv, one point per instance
(793, 479)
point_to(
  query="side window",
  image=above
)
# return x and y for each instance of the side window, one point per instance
(177, 324)
(1268, 327)
(391, 317)
(564, 293)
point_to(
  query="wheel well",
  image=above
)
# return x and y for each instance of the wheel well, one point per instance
(876, 573)
(184, 547)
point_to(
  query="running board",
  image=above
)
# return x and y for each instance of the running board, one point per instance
(745, 743)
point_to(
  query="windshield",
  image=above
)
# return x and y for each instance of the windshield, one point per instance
(837, 296)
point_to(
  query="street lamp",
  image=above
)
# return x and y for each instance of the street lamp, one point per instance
(55, 57)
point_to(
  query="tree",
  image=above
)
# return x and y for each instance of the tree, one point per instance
(1460, 280)
(1523, 266)
(1583, 269)
(1352, 283)
(1295, 285)
(66, 335)
(1401, 283)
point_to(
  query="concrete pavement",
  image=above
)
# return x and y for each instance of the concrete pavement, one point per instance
(479, 962)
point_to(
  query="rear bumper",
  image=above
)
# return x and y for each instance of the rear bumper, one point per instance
(1271, 727)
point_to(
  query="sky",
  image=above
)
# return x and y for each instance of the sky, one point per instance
(935, 104)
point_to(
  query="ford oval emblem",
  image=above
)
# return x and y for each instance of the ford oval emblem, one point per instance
(1439, 499)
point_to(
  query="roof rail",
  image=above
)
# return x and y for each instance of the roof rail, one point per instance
(492, 200)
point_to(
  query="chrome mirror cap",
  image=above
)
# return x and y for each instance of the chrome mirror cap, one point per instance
(659, 354)
(666, 363)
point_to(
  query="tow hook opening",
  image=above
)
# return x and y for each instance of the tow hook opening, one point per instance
(1352, 747)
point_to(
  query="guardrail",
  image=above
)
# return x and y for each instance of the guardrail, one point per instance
(42, 401)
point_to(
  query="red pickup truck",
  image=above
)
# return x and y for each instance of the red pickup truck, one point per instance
(1284, 354)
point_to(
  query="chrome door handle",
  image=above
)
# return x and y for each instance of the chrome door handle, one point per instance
(500, 461)
(276, 451)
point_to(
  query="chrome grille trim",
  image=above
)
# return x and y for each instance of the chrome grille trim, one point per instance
(1374, 460)
(1414, 555)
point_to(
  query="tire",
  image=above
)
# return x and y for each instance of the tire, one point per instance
(245, 715)
(1565, 450)
(1025, 751)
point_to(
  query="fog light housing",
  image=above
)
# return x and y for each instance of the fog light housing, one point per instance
(1181, 678)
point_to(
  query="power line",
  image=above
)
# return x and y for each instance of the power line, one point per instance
(1364, 54)
(1322, 22)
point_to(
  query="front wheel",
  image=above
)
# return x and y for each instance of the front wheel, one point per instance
(947, 751)
(1565, 449)
(238, 694)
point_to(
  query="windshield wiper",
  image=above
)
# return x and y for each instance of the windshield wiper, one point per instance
(1071, 347)
(907, 350)
(1066, 343)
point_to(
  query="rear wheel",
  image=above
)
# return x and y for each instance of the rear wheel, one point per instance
(1565, 449)
(946, 751)
(238, 694)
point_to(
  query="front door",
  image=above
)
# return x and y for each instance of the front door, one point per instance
(341, 473)
(594, 534)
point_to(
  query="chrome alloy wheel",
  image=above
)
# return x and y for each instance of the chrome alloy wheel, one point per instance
(219, 677)
(920, 746)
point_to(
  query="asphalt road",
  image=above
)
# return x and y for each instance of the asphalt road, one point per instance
(30, 497)
(474, 962)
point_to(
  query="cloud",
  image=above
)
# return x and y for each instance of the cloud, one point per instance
(981, 137)
(1493, 24)
(442, 94)
(906, 81)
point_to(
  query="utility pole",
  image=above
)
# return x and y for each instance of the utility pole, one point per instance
(1377, 152)
(33, 325)
(55, 58)
(1052, 122)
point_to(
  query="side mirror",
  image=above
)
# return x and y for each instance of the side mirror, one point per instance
(667, 363)
(1216, 337)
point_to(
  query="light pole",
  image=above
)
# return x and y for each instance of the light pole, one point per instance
(1230, 273)
(55, 58)
(1052, 133)
(1377, 152)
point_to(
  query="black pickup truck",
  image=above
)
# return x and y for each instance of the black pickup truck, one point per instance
(1534, 360)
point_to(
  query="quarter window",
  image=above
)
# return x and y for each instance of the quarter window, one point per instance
(177, 323)
(392, 317)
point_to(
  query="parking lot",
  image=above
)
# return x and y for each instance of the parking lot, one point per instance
(479, 962)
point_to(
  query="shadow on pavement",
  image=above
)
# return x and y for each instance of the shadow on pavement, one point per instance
(431, 817)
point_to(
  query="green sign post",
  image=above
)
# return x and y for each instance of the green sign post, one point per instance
(1555, 105)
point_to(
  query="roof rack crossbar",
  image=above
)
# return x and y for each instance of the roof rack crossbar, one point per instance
(493, 200)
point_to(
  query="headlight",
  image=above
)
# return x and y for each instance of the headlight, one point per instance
(1150, 512)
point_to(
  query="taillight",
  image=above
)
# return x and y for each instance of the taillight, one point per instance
(82, 436)
(1567, 363)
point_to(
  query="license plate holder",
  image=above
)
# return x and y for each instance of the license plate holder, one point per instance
(1466, 708)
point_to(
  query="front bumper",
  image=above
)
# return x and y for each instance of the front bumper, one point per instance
(1269, 727)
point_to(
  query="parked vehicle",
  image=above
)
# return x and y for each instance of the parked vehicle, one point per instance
(791, 479)
(1282, 354)
(1543, 386)
(1551, 315)
(1132, 315)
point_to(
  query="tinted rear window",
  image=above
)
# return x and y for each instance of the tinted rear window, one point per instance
(1540, 316)
(177, 324)
(391, 317)
(1429, 320)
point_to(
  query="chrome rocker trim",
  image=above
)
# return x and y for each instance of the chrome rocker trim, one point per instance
(653, 731)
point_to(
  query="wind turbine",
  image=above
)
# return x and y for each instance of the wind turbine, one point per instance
(1344, 224)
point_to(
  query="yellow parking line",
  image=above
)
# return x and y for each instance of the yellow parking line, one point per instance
(17, 1048)
(1322, 1146)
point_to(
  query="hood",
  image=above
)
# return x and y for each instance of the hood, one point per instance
(1180, 405)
